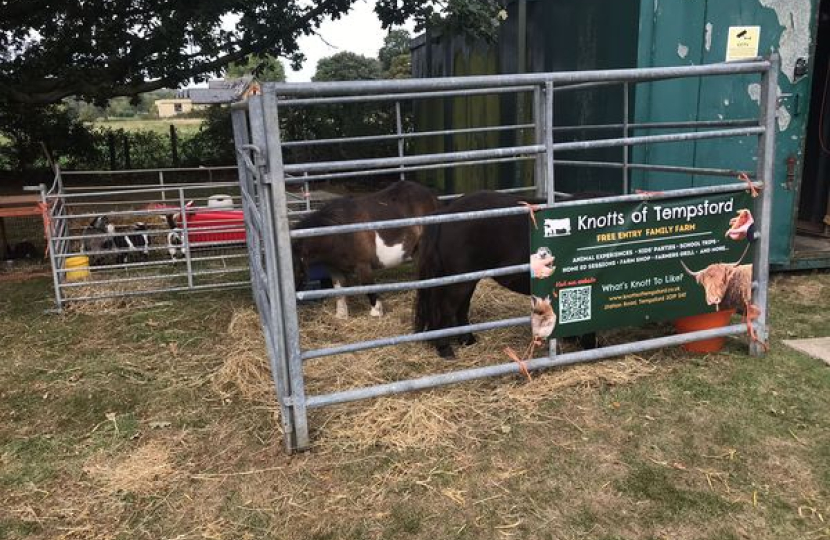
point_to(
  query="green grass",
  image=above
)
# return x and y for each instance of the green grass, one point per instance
(721, 447)
(160, 125)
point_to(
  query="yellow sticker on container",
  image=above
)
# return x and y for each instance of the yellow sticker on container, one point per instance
(743, 42)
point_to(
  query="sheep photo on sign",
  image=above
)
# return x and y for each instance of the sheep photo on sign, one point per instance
(631, 263)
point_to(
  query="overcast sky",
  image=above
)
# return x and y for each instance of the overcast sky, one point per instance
(359, 31)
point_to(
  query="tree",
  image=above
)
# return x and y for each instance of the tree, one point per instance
(401, 67)
(266, 68)
(396, 43)
(213, 143)
(347, 66)
(97, 50)
(29, 129)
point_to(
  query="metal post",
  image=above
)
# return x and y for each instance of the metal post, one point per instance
(763, 209)
(186, 239)
(625, 149)
(174, 145)
(275, 314)
(539, 136)
(521, 67)
(54, 260)
(276, 183)
(58, 178)
(399, 130)
(271, 308)
(161, 184)
(550, 184)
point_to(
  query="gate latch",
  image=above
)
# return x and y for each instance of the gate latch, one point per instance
(790, 181)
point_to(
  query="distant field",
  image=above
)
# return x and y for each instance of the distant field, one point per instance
(186, 125)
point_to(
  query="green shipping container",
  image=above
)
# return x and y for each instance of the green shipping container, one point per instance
(552, 35)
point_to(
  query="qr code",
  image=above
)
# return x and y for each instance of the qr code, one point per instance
(574, 305)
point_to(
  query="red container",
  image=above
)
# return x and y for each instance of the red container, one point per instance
(705, 321)
(215, 226)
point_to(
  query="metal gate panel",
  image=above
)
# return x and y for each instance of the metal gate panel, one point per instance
(263, 170)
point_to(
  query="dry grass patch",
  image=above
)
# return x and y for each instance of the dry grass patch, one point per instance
(116, 296)
(624, 449)
(147, 469)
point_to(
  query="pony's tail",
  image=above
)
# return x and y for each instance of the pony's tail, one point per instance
(429, 266)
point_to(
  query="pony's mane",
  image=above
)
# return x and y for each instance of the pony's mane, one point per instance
(334, 213)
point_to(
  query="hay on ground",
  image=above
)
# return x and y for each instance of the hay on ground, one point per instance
(120, 296)
(423, 420)
(145, 470)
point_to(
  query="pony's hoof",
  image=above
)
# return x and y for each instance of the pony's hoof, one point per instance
(467, 340)
(377, 310)
(342, 315)
(446, 352)
(588, 341)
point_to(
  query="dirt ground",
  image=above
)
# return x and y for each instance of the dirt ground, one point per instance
(156, 419)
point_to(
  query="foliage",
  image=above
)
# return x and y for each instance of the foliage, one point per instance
(121, 107)
(28, 130)
(266, 68)
(347, 66)
(213, 143)
(115, 62)
(76, 146)
(396, 43)
(337, 121)
(477, 18)
(86, 112)
(100, 50)
(400, 68)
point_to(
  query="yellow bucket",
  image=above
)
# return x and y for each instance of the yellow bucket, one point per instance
(77, 268)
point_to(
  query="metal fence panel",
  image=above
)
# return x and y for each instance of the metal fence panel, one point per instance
(279, 313)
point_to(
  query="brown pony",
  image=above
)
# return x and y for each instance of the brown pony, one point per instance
(357, 254)
(469, 246)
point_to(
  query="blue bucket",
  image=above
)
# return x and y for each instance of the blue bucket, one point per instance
(317, 272)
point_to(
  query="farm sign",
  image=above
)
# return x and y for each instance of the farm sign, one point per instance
(629, 263)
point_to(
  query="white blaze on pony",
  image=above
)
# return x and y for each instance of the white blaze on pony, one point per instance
(389, 255)
(359, 254)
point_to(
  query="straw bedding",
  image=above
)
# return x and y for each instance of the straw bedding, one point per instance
(440, 417)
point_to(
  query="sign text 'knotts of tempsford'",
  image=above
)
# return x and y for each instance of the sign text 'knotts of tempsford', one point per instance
(623, 264)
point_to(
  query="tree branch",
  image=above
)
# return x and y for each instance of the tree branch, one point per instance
(52, 89)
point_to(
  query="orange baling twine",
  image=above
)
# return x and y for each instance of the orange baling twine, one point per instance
(528, 354)
(47, 225)
(752, 189)
(750, 315)
(522, 361)
(532, 209)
